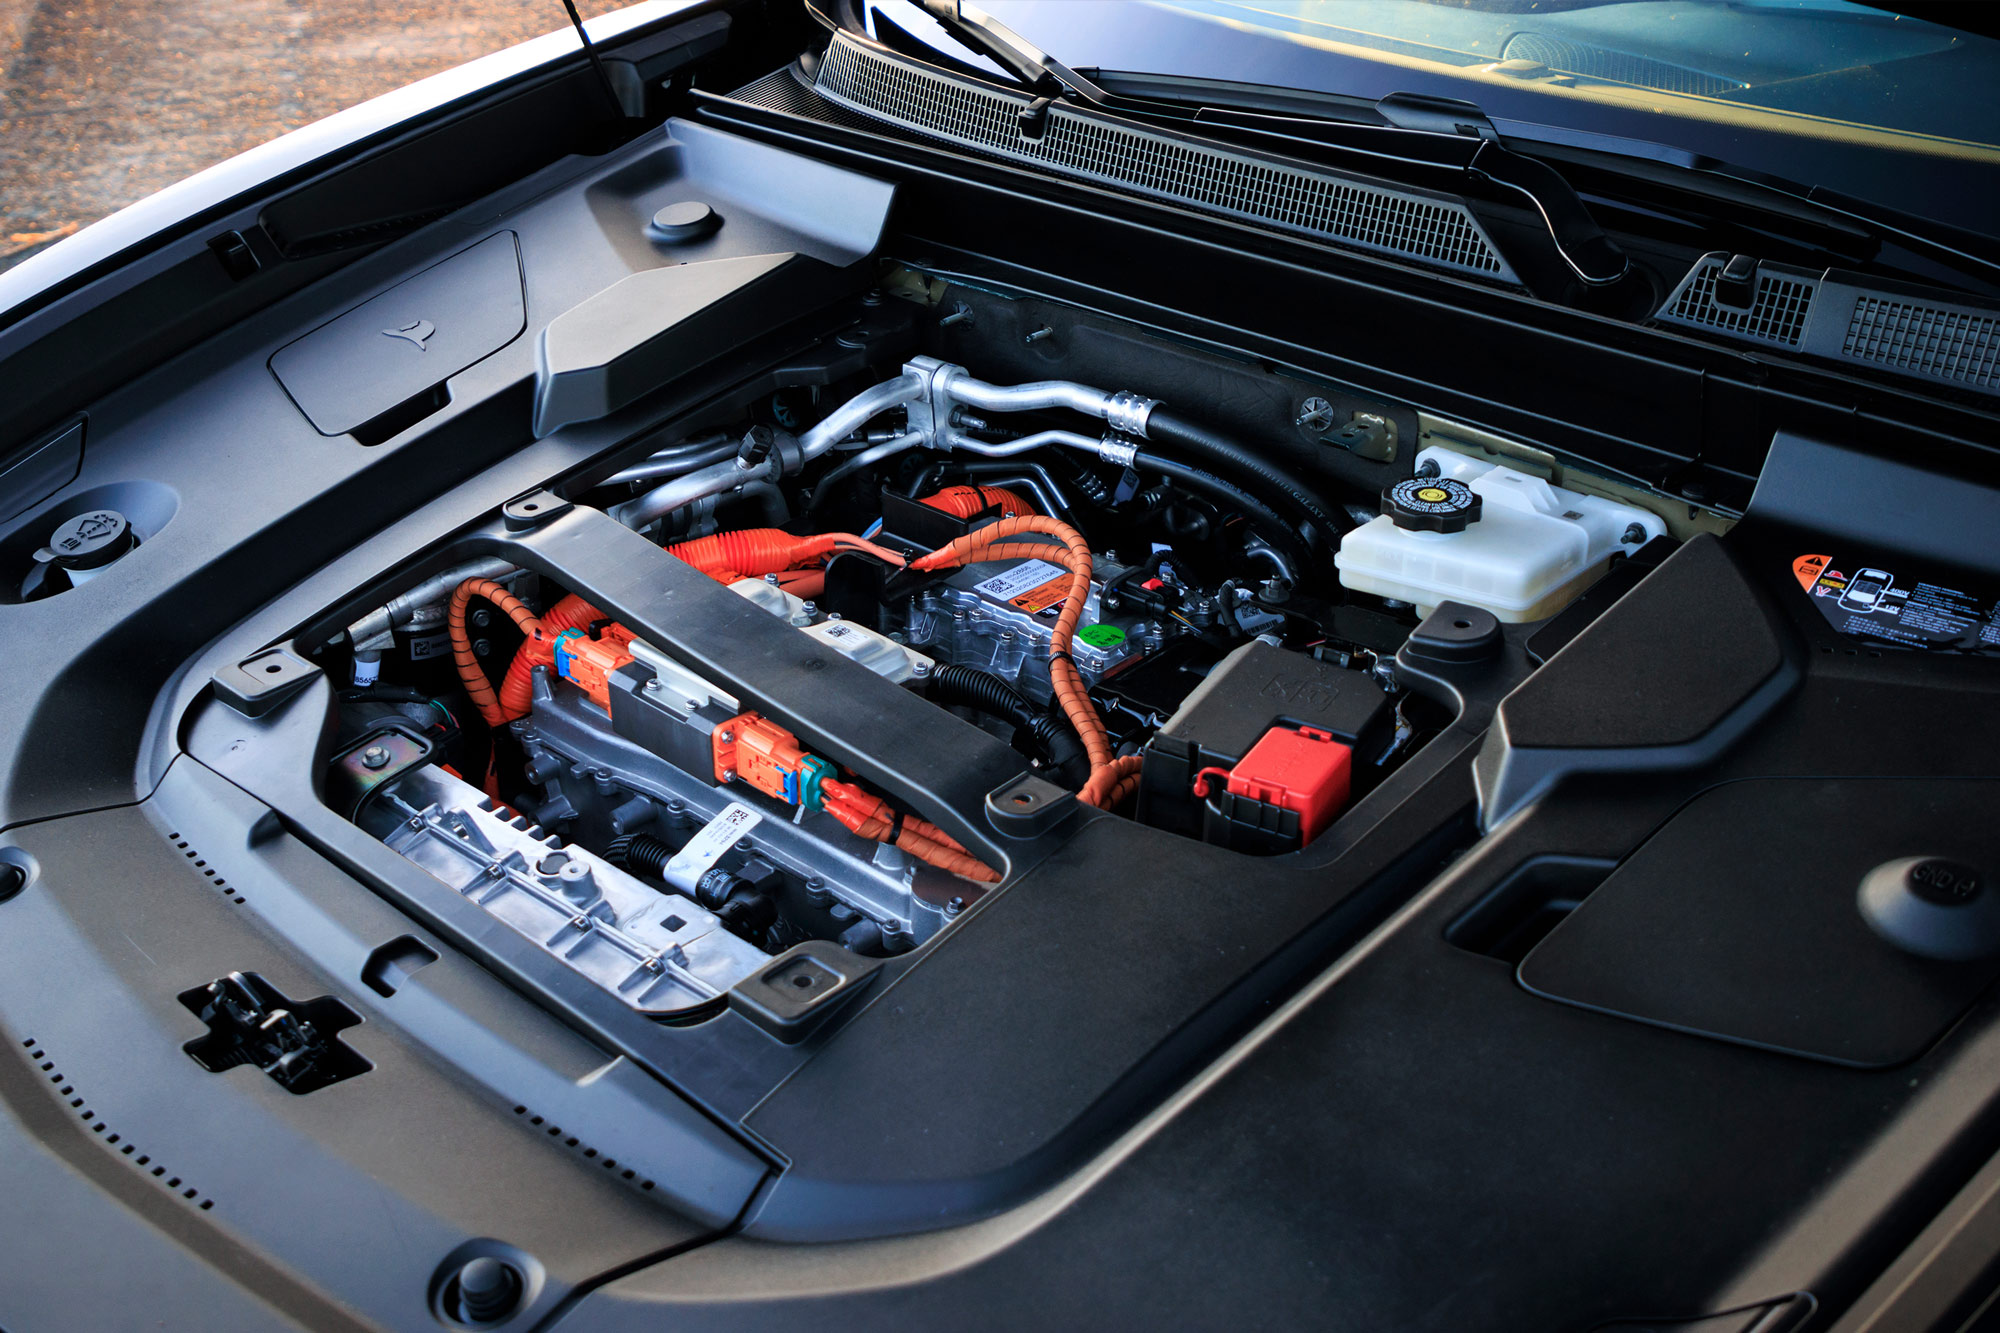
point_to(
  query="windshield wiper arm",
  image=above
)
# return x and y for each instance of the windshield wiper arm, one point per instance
(1035, 68)
(1440, 133)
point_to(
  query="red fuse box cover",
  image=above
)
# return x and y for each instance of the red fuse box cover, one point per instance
(1301, 769)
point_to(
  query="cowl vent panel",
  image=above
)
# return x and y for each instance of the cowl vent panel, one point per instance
(1436, 230)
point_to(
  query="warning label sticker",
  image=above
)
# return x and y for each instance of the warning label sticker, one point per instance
(1032, 585)
(1893, 606)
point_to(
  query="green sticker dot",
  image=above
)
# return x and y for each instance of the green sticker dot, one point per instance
(1102, 636)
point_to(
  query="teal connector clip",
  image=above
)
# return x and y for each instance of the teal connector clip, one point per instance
(812, 771)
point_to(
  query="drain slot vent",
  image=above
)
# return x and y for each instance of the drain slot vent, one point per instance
(66, 1089)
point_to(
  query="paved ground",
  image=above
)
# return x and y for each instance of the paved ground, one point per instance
(103, 102)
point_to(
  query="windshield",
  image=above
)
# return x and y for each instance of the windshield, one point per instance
(1884, 106)
(1817, 67)
(103, 102)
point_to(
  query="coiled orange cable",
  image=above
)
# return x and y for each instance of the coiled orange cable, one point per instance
(477, 687)
(1111, 779)
(967, 501)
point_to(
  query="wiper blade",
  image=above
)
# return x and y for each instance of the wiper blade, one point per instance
(1442, 134)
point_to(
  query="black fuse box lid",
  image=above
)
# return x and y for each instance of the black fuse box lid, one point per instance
(1259, 685)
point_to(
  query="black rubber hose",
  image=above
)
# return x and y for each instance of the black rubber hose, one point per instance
(1169, 427)
(1268, 522)
(985, 692)
(970, 687)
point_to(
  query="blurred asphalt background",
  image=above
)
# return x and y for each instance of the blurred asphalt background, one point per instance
(102, 102)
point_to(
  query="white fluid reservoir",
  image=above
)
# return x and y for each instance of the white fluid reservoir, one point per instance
(1488, 536)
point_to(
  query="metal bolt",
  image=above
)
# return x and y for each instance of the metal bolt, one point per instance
(961, 313)
(954, 907)
(416, 821)
(810, 608)
(771, 579)
(580, 922)
(920, 669)
(481, 618)
(481, 648)
(375, 756)
(1315, 414)
(655, 965)
(1037, 335)
(494, 870)
(727, 737)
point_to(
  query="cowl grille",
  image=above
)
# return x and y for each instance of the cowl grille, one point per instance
(1909, 330)
(1777, 315)
(1956, 345)
(1433, 229)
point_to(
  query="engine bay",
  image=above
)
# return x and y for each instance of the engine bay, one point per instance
(1168, 640)
(882, 718)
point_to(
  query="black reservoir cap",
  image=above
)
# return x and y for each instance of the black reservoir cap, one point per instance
(1431, 504)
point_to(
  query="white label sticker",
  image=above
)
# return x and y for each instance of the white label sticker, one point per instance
(705, 848)
(1024, 577)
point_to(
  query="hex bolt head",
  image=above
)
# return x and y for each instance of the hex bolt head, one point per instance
(374, 757)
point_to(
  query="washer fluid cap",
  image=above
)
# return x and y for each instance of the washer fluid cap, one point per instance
(1431, 504)
(91, 540)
